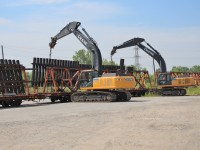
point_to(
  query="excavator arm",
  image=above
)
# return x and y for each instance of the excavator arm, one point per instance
(69, 28)
(129, 43)
(85, 39)
(152, 52)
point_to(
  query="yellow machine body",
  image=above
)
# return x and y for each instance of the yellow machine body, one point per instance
(165, 80)
(181, 82)
(111, 83)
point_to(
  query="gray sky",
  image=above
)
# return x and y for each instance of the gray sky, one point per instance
(171, 27)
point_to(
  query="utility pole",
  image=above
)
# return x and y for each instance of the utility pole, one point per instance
(2, 52)
(137, 65)
(154, 69)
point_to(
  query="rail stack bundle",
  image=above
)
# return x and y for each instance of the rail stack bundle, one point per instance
(11, 82)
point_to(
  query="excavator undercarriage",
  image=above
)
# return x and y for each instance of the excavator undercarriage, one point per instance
(172, 92)
(101, 96)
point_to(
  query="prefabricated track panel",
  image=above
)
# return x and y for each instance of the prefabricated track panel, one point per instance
(41, 64)
(11, 80)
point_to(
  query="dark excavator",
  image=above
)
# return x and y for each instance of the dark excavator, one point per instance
(167, 84)
(92, 85)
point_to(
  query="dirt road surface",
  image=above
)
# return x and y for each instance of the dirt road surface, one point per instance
(149, 123)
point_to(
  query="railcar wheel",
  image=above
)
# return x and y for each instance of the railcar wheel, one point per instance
(5, 104)
(16, 103)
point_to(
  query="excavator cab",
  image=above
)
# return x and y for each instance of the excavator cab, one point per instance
(86, 78)
(164, 79)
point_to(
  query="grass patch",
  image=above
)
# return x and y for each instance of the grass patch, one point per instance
(193, 90)
(151, 94)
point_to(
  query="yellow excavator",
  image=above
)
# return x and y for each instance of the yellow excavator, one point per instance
(92, 85)
(167, 84)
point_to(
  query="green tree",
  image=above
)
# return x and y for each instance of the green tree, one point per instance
(180, 69)
(107, 62)
(84, 57)
(195, 68)
(132, 67)
(136, 69)
(143, 69)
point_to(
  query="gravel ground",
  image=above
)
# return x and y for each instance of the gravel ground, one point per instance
(150, 123)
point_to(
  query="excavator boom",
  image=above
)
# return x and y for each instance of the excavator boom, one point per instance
(86, 40)
(129, 43)
(152, 52)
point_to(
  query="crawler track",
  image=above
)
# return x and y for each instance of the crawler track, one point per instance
(173, 92)
(101, 96)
